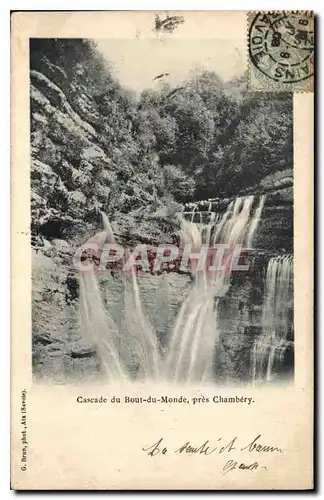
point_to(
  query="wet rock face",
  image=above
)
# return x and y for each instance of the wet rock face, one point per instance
(275, 231)
(234, 355)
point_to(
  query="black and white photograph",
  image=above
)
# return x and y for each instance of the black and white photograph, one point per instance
(161, 213)
(162, 231)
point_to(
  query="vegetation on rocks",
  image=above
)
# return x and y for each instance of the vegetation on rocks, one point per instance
(97, 146)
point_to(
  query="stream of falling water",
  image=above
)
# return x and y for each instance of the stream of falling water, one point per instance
(142, 335)
(98, 327)
(271, 346)
(190, 352)
(191, 344)
(193, 341)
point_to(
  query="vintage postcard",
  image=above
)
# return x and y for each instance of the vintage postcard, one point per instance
(162, 232)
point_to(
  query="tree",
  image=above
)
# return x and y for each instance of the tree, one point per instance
(177, 183)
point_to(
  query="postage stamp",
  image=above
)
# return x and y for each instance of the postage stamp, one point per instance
(281, 51)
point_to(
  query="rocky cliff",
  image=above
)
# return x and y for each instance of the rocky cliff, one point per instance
(72, 175)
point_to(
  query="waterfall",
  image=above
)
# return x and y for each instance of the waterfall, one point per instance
(255, 221)
(193, 214)
(235, 223)
(98, 327)
(190, 234)
(190, 351)
(96, 324)
(192, 344)
(238, 223)
(142, 338)
(274, 340)
(107, 227)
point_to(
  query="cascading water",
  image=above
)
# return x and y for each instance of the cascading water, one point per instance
(193, 215)
(98, 327)
(142, 338)
(191, 345)
(255, 221)
(107, 228)
(274, 340)
(190, 351)
(238, 224)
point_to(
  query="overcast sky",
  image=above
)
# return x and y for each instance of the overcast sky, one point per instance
(204, 42)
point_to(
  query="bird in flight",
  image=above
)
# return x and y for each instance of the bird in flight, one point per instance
(160, 76)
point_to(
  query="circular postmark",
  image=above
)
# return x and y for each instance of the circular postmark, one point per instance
(281, 45)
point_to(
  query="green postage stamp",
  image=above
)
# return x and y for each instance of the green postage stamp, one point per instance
(281, 50)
